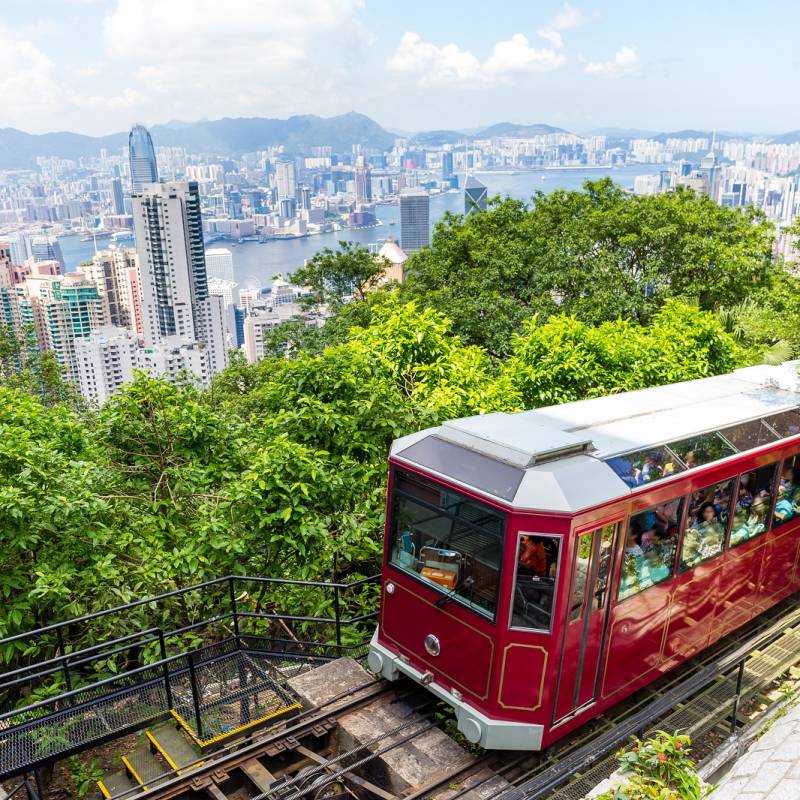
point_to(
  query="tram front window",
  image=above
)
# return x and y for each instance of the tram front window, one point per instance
(447, 540)
(535, 581)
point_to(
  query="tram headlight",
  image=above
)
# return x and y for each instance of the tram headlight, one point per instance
(432, 645)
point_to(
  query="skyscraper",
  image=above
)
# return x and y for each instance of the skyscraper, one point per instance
(474, 196)
(363, 182)
(414, 220)
(286, 179)
(118, 201)
(447, 164)
(46, 248)
(143, 158)
(174, 283)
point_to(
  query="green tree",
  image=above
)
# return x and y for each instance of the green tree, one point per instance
(335, 275)
(598, 254)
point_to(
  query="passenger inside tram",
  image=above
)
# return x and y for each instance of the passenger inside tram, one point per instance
(788, 502)
(753, 502)
(649, 547)
(537, 563)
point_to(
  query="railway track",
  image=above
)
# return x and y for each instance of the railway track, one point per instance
(296, 761)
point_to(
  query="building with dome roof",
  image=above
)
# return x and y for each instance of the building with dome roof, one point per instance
(396, 256)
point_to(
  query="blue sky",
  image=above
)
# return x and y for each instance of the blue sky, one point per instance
(96, 66)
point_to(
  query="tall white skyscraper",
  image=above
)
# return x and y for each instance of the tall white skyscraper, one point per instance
(286, 179)
(172, 267)
(415, 232)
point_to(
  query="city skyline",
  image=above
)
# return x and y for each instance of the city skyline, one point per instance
(98, 66)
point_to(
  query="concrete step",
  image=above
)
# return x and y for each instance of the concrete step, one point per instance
(112, 785)
(146, 768)
(173, 746)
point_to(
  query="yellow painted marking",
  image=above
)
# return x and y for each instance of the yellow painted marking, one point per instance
(102, 787)
(133, 772)
(165, 755)
(206, 742)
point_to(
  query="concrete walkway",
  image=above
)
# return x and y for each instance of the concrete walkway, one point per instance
(770, 769)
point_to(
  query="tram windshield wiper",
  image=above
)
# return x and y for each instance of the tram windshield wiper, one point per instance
(466, 583)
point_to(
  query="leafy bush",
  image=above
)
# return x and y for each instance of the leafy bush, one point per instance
(658, 769)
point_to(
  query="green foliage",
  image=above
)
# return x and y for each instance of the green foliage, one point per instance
(598, 254)
(333, 275)
(658, 769)
(84, 776)
(564, 359)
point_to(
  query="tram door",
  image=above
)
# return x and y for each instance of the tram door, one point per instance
(590, 584)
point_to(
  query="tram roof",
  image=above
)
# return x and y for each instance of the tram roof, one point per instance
(566, 457)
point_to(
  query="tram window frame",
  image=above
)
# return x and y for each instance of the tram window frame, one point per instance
(601, 587)
(775, 466)
(439, 492)
(559, 540)
(790, 462)
(733, 487)
(675, 540)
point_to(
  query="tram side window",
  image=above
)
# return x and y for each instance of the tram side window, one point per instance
(535, 582)
(706, 523)
(753, 503)
(447, 540)
(787, 504)
(650, 544)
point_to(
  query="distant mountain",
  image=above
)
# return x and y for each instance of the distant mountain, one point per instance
(438, 138)
(222, 137)
(787, 138)
(518, 131)
(621, 133)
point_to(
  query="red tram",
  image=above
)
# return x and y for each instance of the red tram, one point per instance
(541, 566)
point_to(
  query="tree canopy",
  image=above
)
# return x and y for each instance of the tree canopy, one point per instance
(598, 254)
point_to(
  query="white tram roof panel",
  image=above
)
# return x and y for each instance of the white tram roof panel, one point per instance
(556, 453)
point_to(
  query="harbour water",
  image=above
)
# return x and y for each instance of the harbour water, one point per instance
(256, 264)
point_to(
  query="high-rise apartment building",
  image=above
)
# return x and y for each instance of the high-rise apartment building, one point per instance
(172, 270)
(414, 220)
(475, 194)
(104, 361)
(63, 309)
(286, 179)
(142, 158)
(110, 271)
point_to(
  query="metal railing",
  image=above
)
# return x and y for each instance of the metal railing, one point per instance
(169, 678)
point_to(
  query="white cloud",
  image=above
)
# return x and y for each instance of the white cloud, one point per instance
(230, 58)
(27, 83)
(625, 62)
(568, 17)
(449, 65)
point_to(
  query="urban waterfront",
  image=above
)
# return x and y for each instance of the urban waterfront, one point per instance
(256, 264)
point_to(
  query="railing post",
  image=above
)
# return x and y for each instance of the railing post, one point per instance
(162, 646)
(338, 615)
(739, 680)
(195, 696)
(234, 612)
(65, 663)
